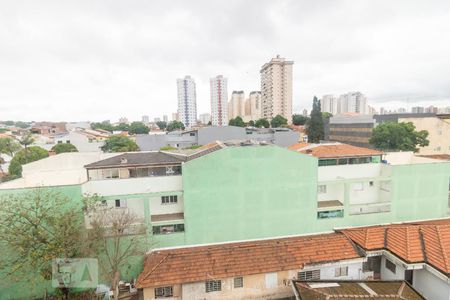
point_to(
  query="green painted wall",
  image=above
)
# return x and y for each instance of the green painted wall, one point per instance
(242, 193)
(248, 192)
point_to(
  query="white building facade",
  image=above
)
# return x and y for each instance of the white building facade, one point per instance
(219, 101)
(187, 101)
(236, 106)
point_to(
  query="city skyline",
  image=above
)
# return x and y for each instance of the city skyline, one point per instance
(108, 64)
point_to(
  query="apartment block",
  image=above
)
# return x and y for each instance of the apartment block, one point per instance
(276, 88)
(236, 191)
(187, 101)
(253, 106)
(219, 101)
(236, 105)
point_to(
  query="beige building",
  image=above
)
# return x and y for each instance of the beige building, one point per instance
(236, 105)
(438, 128)
(253, 106)
(276, 88)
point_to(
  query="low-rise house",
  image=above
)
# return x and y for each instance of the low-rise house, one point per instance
(247, 270)
(416, 252)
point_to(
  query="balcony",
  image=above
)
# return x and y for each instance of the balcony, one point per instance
(167, 217)
(330, 209)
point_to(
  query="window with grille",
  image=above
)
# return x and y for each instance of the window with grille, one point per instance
(167, 229)
(341, 271)
(390, 266)
(309, 275)
(213, 286)
(238, 282)
(173, 199)
(165, 291)
(322, 189)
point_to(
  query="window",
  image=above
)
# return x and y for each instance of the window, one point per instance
(390, 266)
(370, 183)
(359, 186)
(192, 134)
(309, 275)
(322, 189)
(173, 199)
(341, 271)
(238, 282)
(59, 142)
(327, 162)
(104, 202)
(326, 214)
(165, 291)
(213, 286)
(121, 203)
(68, 142)
(166, 229)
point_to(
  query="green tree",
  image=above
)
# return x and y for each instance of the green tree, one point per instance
(122, 127)
(9, 123)
(237, 122)
(25, 156)
(64, 147)
(9, 146)
(278, 121)
(262, 123)
(299, 119)
(161, 124)
(26, 140)
(398, 136)
(326, 115)
(115, 237)
(314, 127)
(174, 125)
(251, 123)
(21, 124)
(103, 125)
(119, 143)
(138, 128)
(37, 227)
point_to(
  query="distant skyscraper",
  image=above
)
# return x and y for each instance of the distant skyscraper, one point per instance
(187, 102)
(431, 109)
(219, 99)
(145, 119)
(123, 120)
(165, 118)
(276, 88)
(156, 120)
(402, 110)
(236, 106)
(418, 110)
(253, 106)
(330, 104)
(353, 102)
(205, 118)
(174, 116)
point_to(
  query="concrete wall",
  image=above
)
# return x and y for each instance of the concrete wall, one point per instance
(150, 142)
(387, 274)
(430, 286)
(129, 186)
(207, 135)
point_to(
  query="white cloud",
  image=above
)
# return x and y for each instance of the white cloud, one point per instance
(76, 60)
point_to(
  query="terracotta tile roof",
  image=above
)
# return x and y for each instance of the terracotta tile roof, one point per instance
(193, 264)
(427, 242)
(298, 146)
(333, 150)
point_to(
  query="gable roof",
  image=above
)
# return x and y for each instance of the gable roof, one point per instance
(200, 263)
(129, 159)
(423, 242)
(333, 150)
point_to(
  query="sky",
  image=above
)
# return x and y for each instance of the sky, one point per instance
(95, 60)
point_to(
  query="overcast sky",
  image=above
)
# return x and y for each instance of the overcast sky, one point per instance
(96, 60)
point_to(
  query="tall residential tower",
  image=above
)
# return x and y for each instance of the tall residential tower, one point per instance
(219, 101)
(187, 103)
(276, 88)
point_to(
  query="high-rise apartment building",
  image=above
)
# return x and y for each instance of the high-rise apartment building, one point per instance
(236, 106)
(165, 118)
(205, 118)
(418, 110)
(253, 106)
(276, 88)
(145, 119)
(219, 101)
(330, 104)
(353, 102)
(187, 102)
